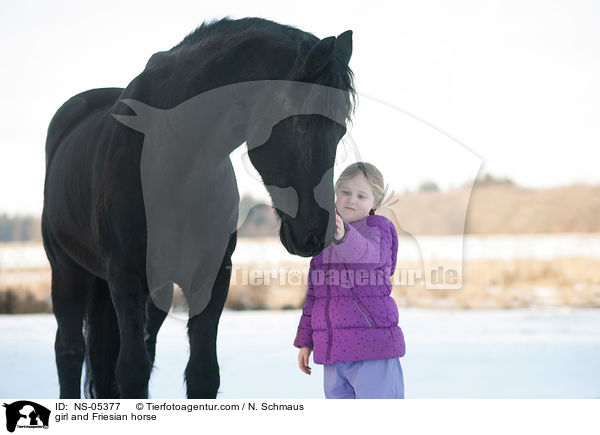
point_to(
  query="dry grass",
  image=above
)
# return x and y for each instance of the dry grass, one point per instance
(486, 284)
(519, 283)
(25, 291)
(500, 209)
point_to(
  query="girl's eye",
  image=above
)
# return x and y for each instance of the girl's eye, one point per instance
(361, 197)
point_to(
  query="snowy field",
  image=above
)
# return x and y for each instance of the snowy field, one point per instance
(270, 251)
(549, 353)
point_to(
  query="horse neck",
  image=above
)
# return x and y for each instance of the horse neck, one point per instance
(260, 57)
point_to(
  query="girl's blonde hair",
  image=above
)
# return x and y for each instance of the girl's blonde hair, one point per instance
(383, 198)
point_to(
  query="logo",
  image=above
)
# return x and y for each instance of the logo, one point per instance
(26, 414)
(190, 188)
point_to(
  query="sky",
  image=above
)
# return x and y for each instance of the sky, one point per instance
(446, 89)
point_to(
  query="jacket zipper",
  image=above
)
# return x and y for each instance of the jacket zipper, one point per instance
(327, 316)
(361, 312)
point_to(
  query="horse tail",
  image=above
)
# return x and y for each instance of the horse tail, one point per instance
(73, 111)
(102, 344)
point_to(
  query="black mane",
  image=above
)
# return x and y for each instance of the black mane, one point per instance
(226, 27)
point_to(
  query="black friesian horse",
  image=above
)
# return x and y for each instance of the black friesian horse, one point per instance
(94, 222)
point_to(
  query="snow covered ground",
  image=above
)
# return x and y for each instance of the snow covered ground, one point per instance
(549, 353)
(270, 251)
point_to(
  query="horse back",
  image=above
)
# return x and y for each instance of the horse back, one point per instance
(73, 111)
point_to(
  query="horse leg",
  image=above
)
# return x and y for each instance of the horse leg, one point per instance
(156, 317)
(129, 293)
(202, 371)
(70, 287)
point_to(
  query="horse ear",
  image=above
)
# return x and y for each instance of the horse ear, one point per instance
(141, 120)
(343, 46)
(319, 56)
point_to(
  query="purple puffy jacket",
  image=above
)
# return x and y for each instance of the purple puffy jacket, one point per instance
(349, 314)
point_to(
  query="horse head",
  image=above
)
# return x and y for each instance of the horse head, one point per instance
(292, 139)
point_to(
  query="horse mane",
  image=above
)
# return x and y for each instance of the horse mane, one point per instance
(226, 27)
(220, 31)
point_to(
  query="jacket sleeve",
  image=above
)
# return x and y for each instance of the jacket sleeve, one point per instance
(304, 333)
(370, 250)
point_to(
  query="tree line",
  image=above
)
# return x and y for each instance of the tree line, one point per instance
(256, 219)
(20, 228)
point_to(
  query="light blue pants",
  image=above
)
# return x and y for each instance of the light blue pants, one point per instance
(375, 379)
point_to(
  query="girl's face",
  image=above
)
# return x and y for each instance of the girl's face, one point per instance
(354, 198)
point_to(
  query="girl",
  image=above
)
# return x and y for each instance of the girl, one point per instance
(349, 318)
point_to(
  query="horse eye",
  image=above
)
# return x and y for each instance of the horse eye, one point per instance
(301, 129)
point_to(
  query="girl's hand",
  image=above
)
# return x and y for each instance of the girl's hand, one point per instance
(303, 359)
(339, 230)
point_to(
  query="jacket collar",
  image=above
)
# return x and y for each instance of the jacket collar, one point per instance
(360, 222)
